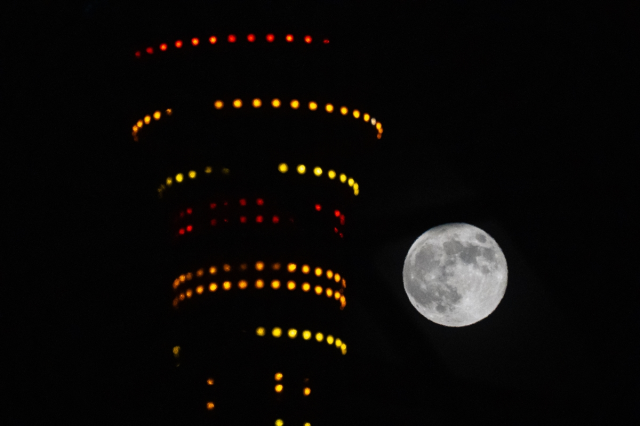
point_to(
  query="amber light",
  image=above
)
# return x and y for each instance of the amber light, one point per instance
(209, 381)
(195, 41)
(163, 46)
(289, 38)
(210, 405)
(213, 40)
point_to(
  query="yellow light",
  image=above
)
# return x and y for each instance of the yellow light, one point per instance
(332, 174)
(295, 104)
(207, 169)
(318, 271)
(351, 181)
(275, 284)
(329, 273)
(176, 351)
(218, 104)
(318, 290)
(378, 125)
(307, 424)
(305, 269)
(213, 270)
(237, 103)
(301, 169)
(306, 287)
(277, 332)
(336, 277)
(329, 292)
(226, 267)
(275, 103)
(279, 422)
(356, 186)
(283, 168)
(259, 284)
(199, 289)
(213, 287)
(225, 171)
(189, 293)
(319, 337)
(169, 181)
(179, 177)
(209, 381)
(343, 301)
(176, 283)
(343, 178)
(278, 377)
(344, 110)
(260, 331)
(330, 339)
(329, 108)
(259, 266)
(338, 343)
(307, 391)
(147, 119)
(306, 335)
(313, 106)
(169, 111)
(226, 285)
(192, 174)
(292, 333)
(139, 123)
(200, 272)
(336, 295)
(356, 191)
(156, 115)
(343, 347)
(291, 285)
(242, 284)
(317, 171)
(356, 113)
(366, 117)
(257, 103)
(291, 267)
(183, 278)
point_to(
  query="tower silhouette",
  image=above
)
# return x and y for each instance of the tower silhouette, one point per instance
(254, 144)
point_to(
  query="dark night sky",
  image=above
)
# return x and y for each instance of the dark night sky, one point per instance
(517, 119)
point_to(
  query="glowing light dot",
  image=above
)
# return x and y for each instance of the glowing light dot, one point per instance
(237, 103)
(259, 201)
(213, 40)
(199, 289)
(305, 269)
(275, 219)
(318, 207)
(329, 292)
(242, 284)
(156, 115)
(210, 381)
(350, 181)
(319, 337)
(289, 38)
(257, 103)
(331, 174)
(213, 270)
(356, 113)
(225, 171)
(317, 171)
(306, 287)
(259, 266)
(276, 266)
(179, 177)
(278, 377)
(301, 169)
(338, 342)
(147, 119)
(275, 284)
(313, 106)
(169, 181)
(231, 38)
(226, 285)
(259, 284)
(307, 39)
(226, 267)
(291, 267)
(306, 335)
(195, 41)
(329, 108)
(292, 333)
(379, 136)
(283, 168)
(260, 331)
(343, 178)
(207, 169)
(295, 104)
(163, 46)
(150, 50)
(329, 273)
(179, 44)
(343, 347)
(318, 290)
(251, 38)
(168, 111)
(307, 391)
(330, 339)
(291, 285)
(373, 121)
(140, 123)
(270, 38)
(277, 332)
(138, 54)
(259, 219)
(218, 104)
(344, 110)
(192, 174)
(176, 351)
(366, 117)
(336, 295)
(326, 41)
(318, 271)
(336, 277)
(189, 293)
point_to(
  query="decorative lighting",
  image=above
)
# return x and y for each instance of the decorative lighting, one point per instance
(305, 269)
(313, 106)
(259, 266)
(195, 41)
(307, 39)
(318, 271)
(199, 289)
(213, 39)
(251, 38)
(318, 290)
(259, 201)
(318, 207)
(283, 168)
(366, 117)
(209, 405)
(169, 181)
(301, 169)
(226, 285)
(317, 171)
(292, 333)
(275, 284)
(275, 103)
(270, 38)
(289, 37)
(259, 284)
(179, 177)
(207, 169)
(278, 377)
(319, 337)
(192, 174)
(306, 391)
(257, 103)
(279, 389)
(291, 267)
(210, 381)
(147, 119)
(150, 50)
(163, 46)
(344, 110)
(329, 273)
(306, 335)
(260, 331)
(156, 115)
(351, 181)
(237, 103)
(306, 287)
(329, 108)
(330, 339)
(356, 113)
(277, 332)
(218, 104)
(231, 38)
(343, 178)
(331, 174)
(291, 285)
(295, 104)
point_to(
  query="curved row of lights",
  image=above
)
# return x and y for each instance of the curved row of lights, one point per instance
(277, 332)
(282, 168)
(260, 266)
(275, 103)
(231, 38)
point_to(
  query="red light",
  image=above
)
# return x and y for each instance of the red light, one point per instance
(195, 41)
(335, 230)
(181, 231)
(226, 221)
(337, 213)
(341, 236)
(260, 201)
(276, 219)
(149, 50)
(307, 39)
(326, 41)
(181, 214)
(289, 37)
(251, 38)
(259, 219)
(318, 207)
(189, 210)
(163, 46)
(270, 38)
(212, 205)
(179, 44)
(213, 40)
(243, 202)
(342, 220)
(232, 38)
(213, 222)
(225, 203)
(243, 219)
(138, 54)
(189, 228)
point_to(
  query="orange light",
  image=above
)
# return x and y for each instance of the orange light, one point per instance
(259, 266)
(270, 38)
(176, 283)
(237, 103)
(276, 266)
(275, 284)
(278, 377)
(295, 104)
(329, 292)
(209, 381)
(307, 391)
(231, 38)
(289, 38)
(313, 106)
(150, 50)
(305, 269)
(168, 111)
(213, 270)
(179, 44)
(163, 46)
(306, 286)
(344, 283)
(189, 293)
(199, 289)
(356, 113)
(291, 285)
(307, 39)
(318, 290)
(213, 39)
(344, 110)
(213, 287)
(275, 103)
(278, 388)
(257, 103)
(209, 405)
(175, 302)
(336, 277)
(195, 41)
(329, 273)
(259, 284)
(329, 108)
(291, 267)
(181, 296)
(226, 267)
(140, 123)
(218, 104)
(251, 38)
(156, 115)
(226, 285)
(336, 295)
(318, 271)
(242, 284)
(366, 117)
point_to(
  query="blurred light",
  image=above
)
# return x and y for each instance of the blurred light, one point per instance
(181, 296)
(260, 201)
(260, 331)
(306, 287)
(318, 290)
(259, 219)
(329, 292)
(213, 222)
(350, 181)
(301, 169)
(218, 104)
(276, 266)
(242, 284)
(329, 273)
(330, 339)
(168, 111)
(189, 276)
(305, 269)
(213, 270)
(189, 228)
(317, 171)
(163, 46)
(356, 191)
(225, 171)
(338, 342)
(176, 283)
(243, 219)
(275, 219)
(356, 113)
(259, 266)
(329, 108)
(243, 202)
(179, 177)
(319, 337)
(209, 381)
(373, 121)
(192, 174)
(336, 295)
(195, 41)
(226, 267)
(283, 167)
(275, 284)
(343, 178)
(318, 271)
(295, 104)
(343, 300)
(289, 38)
(278, 377)
(344, 283)
(379, 136)
(156, 115)
(176, 351)
(326, 41)
(331, 174)
(147, 119)
(200, 272)
(313, 106)
(344, 110)
(251, 38)
(226, 285)
(237, 103)
(318, 207)
(179, 44)
(257, 103)
(307, 39)
(199, 289)
(189, 293)
(150, 50)
(378, 125)
(336, 277)
(365, 117)
(343, 347)
(138, 54)
(169, 181)
(275, 103)
(183, 278)
(213, 39)
(231, 38)
(306, 391)
(292, 333)
(207, 169)
(175, 302)
(279, 389)
(291, 285)
(243, 266)
(270, 38)
(259, 284)
(277, 332)
(140, 123)
(291, 267)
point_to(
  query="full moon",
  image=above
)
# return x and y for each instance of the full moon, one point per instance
(455, 274)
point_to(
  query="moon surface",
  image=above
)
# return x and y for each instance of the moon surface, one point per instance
(455, 274)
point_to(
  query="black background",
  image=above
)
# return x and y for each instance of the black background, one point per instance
(517, 118)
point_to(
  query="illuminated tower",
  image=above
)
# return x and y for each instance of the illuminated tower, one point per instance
(255, 150)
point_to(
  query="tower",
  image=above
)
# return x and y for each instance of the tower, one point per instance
(254, 145)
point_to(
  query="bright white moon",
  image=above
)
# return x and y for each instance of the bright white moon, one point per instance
(455, 274)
